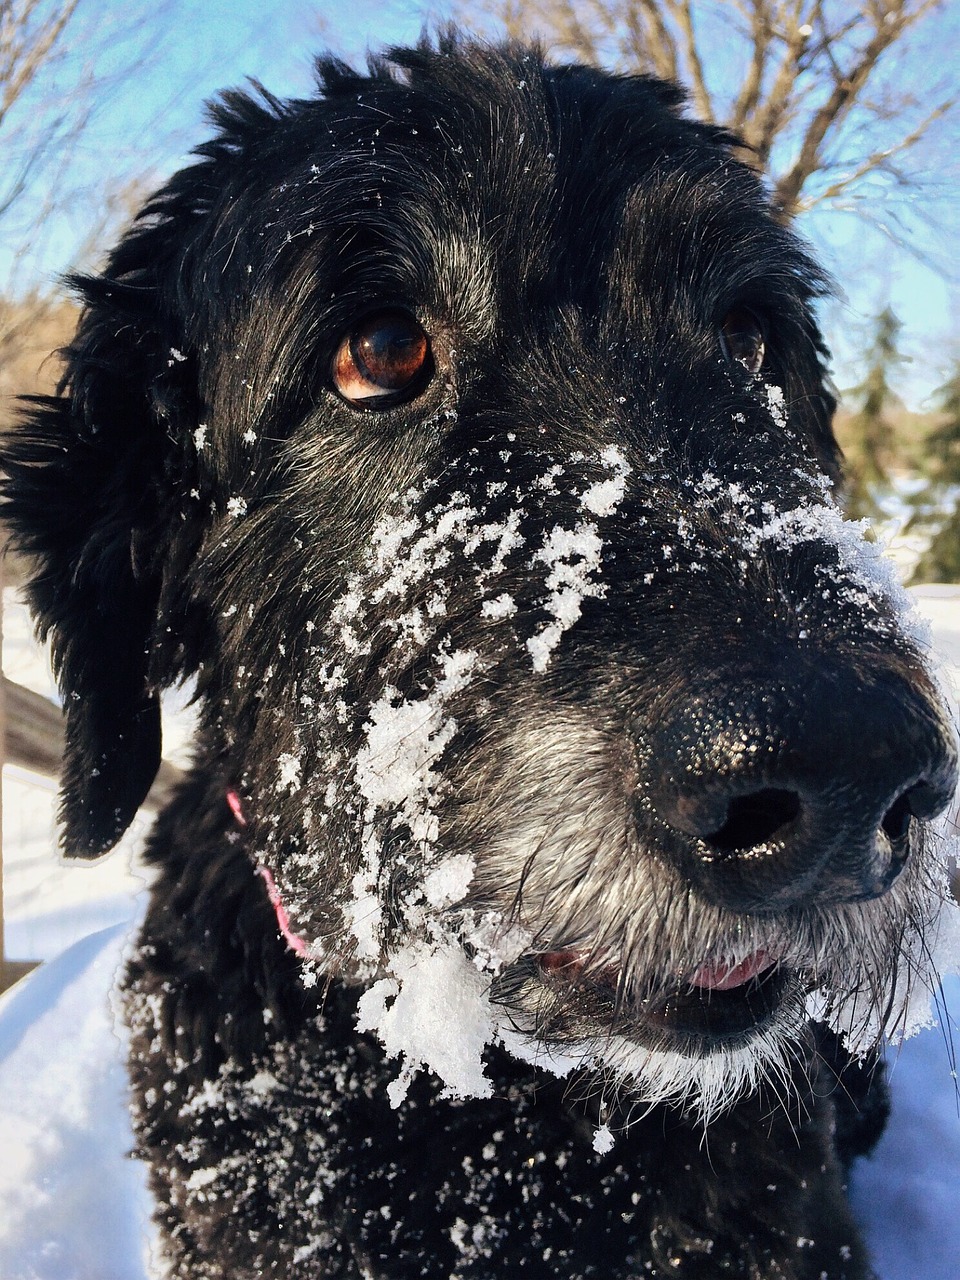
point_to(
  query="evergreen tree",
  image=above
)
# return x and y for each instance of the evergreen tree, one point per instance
(868, 438)
(937, 505)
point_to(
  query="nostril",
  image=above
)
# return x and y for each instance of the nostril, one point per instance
(896, 821)
(928, 798)
(754, 819)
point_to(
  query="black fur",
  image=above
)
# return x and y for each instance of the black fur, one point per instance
(199, 500)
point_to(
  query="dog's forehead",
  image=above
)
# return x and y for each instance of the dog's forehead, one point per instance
(536, 178)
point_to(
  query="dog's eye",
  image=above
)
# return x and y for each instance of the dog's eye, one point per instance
(742, 339)
(384, 360)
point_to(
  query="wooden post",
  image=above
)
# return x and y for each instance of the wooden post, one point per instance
(10, 971)
(3, 757)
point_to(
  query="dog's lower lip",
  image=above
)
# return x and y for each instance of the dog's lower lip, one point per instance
(567, 963)
(712, 1014)
(727, 977)
(707, 977)
(715, 1003)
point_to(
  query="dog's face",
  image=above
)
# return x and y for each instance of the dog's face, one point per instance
(464, 433)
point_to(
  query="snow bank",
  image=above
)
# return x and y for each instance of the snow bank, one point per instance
(907, 1196)
(74, 1206)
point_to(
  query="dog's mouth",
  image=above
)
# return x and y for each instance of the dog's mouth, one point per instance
(715, 1003)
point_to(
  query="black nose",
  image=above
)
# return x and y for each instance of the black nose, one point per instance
(800, 787)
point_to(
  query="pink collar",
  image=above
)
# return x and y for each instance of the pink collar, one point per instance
(293, 940)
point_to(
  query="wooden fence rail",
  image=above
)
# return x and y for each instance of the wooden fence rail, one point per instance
(34, 740)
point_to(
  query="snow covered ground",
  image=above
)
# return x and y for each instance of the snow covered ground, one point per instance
(74, 1207)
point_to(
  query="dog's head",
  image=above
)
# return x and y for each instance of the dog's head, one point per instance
(464, 432)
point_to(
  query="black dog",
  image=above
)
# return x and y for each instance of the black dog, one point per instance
(561, 791)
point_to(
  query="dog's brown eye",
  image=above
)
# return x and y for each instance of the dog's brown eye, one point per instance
(385, 359)
(742, 339)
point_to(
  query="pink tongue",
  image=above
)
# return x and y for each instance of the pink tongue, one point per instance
(721, 977)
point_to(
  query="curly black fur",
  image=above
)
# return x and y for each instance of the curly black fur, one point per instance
(200, 502)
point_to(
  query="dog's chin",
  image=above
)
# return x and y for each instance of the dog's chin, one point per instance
(702, 1043)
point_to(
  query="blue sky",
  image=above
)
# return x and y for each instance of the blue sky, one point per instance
(150, 119)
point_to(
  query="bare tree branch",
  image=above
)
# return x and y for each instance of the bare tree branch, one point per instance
(890, 19)
(60, 62)
(775, 111)
(25, 48)
(877, 160)
(651, 40)
(795, 76)
(701, 97)
(584, 26)
(761, 38)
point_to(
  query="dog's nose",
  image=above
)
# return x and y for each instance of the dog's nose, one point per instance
(801, 789)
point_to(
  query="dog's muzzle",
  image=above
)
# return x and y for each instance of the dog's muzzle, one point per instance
(771, 807)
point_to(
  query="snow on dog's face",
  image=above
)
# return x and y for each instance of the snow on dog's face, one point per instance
(482, 470)
(483, 723)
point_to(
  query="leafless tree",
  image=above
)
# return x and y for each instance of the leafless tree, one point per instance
(31, 42)
(60, 62)
(810, 85)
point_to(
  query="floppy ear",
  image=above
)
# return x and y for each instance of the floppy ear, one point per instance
(87, 498)
(96, 479)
